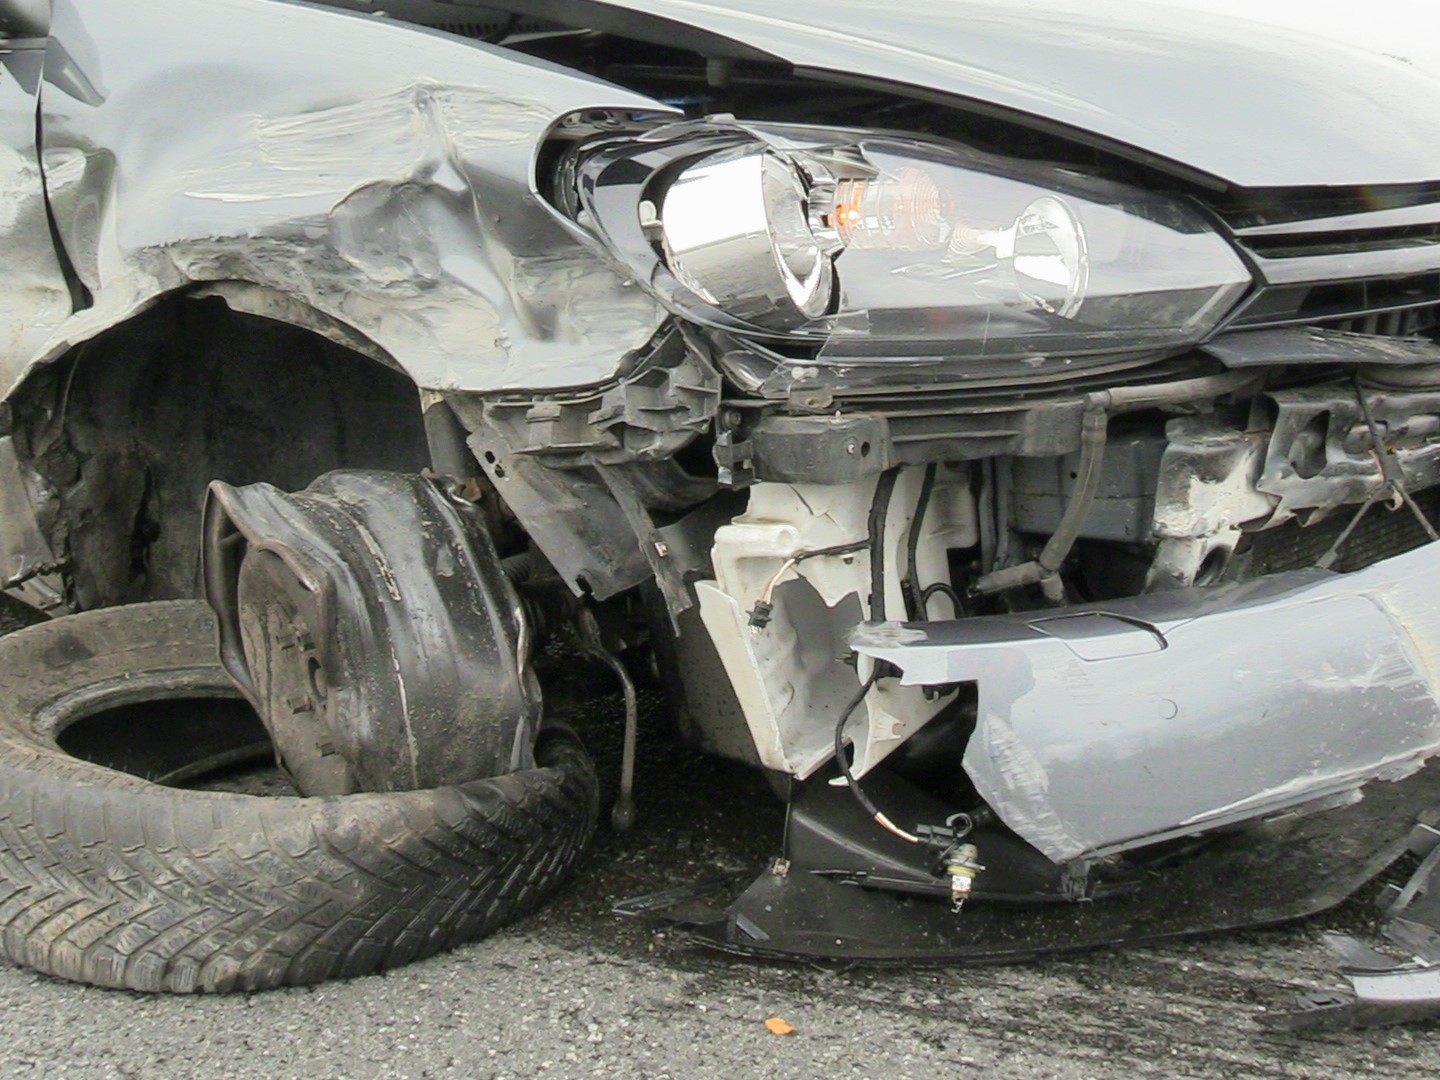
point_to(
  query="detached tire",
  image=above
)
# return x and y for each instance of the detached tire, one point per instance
(110, 879)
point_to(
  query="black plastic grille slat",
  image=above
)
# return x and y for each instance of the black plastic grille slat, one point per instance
(1397, 307)
(1351, 241)
(1269, 208)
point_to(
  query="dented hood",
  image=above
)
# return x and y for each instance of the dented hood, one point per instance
(1272, 94)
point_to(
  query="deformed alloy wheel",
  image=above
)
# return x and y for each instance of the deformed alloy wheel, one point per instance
(110, 878)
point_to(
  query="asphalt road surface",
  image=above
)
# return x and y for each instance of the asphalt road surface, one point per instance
(574, 991)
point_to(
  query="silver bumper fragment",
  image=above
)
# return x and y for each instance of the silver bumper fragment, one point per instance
(1109, 726)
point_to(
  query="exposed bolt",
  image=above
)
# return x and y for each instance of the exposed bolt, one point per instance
(732, 418)
(661, 548)
(852, 446)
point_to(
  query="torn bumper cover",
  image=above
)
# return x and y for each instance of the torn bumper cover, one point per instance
(1190, 710)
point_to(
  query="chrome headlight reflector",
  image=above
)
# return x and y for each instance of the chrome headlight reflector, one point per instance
(734, 230)
(875, 244)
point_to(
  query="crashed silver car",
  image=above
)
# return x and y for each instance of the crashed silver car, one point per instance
(1012, 426)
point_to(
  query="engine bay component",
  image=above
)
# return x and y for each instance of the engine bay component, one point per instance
(369, 622)
(799, 558)
(1046, 565)
(819, 235)
(1206, 489)
(1323, 453)
(1124, 505)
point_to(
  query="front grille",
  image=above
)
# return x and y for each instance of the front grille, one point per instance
(1370, 265)
(1253, 209)
(1406, 323)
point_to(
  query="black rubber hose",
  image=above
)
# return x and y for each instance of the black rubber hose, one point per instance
(879, 510)
(844, 765)
(947, 591)
(1093, 433)
(988, 514)
(914, 604)
(1087, 481)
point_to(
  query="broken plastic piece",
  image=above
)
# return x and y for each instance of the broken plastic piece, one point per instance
(1385, 990)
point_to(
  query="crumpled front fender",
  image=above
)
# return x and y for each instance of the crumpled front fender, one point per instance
(371, 179)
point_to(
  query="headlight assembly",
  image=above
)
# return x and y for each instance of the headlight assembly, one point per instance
(886, 245)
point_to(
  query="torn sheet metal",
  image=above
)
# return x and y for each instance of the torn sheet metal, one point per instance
(1190, 709)
(377, 173)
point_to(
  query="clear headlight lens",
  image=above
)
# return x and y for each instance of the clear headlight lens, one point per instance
(893, 245)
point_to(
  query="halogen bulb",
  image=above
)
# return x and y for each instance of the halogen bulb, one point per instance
(892, 213)
(1051, 263)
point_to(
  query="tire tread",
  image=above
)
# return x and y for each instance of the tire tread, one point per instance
(108, 879)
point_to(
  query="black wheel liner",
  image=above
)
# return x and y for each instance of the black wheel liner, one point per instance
(108, 879)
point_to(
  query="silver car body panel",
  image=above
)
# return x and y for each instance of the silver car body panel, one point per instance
(1318, 93)
(1113, 725)
(374, 181)
(370, 179)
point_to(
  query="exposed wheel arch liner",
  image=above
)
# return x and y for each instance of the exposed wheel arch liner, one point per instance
(243, 297)
(116, 440)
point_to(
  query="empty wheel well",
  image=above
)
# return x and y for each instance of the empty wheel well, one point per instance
(123, 435)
